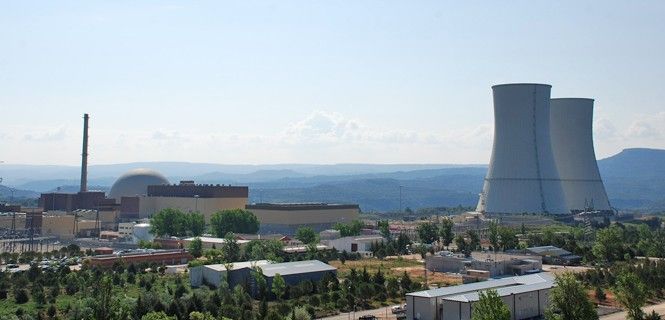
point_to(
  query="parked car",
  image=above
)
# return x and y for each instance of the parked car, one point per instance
(398, 309)
(368, 317)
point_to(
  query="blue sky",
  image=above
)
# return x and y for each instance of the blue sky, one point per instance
(314, 81)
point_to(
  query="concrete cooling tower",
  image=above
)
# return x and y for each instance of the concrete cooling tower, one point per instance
(572, 143)
(522, 175)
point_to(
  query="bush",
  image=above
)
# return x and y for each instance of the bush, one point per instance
(21, 296)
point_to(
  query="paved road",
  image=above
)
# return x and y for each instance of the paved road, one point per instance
(659, 308)
(379, 313)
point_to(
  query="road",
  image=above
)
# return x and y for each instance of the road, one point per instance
(379, 313)
(659, 308)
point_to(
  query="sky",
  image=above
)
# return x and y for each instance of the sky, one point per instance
(265, 82)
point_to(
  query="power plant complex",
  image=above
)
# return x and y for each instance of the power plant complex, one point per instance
(543, 160)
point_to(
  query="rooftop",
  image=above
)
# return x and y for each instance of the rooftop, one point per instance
(238, 265)
(509, 284)
(549, 250)
(296, 267)
(215, 240)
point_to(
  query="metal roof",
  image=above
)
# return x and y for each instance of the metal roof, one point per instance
(502, 292)
(549, 250)
(296, 267)
(489, 284)
(238, 265)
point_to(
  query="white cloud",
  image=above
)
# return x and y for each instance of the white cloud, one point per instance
(58, 134)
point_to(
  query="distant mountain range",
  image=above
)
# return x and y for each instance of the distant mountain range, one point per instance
(634, 179)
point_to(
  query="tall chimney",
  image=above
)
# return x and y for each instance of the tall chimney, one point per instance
(84, 155)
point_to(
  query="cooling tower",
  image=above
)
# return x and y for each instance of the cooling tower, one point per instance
(522, 176)
(572, 143)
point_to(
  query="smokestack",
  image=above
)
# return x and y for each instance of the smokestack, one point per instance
(84, 155)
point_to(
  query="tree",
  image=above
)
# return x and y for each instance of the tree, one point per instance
(195, 315)
(351, 229)
(169, 222)
(103, 299)
(569, 300)
(299, 313)
(196, 247)
(631, 293)
(446, 231)
(306, 235)
(427, 232)
(384, 228)
(474, 240)
(494, 235)
(234, 220)
(461, 244)
(608, 246)
(197, 223)
(490, 307)
(507, 238)
(230, 249)
(157, 316)
(278, 286)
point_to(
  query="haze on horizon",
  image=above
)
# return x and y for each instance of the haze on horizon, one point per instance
(314, 82)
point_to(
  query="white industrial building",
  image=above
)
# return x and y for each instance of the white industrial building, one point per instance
(355, 244)
(235, 273)
(543, 159)
(571, 121)
(526, 297)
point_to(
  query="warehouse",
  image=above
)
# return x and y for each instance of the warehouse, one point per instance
(555, 255)
(526, 297)
(214, 274)
(286, 218)
(297, 271)
(496, 264)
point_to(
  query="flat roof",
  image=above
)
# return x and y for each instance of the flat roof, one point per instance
(549, 250)
(238, 265)
(215, 240)
(296, 267)
(489, 284)
(502, 292)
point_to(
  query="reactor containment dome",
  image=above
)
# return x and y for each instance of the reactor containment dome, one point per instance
(135, 183)
(571, 121)
(522, 175)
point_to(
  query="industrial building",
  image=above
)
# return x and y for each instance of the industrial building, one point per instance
(150, 256)
(555, 255)
(286, 218)
(144, 192)
(543, 159)
(571, 121)
(297, 271)
(495, 264)
(240, 273)
(211, 242)
(527, 297)
(235, 273)
(355, 244)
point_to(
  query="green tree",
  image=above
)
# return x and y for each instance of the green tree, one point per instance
(631, 293)
(569, 300)
(196, 247)
(609, 244)
(494, 235)
(474, 240)
(427, 232)
(446, 231)
(157, 316)
(231, 248)
(196, 223)
(306, 235)
(299, 313)
(508, 238)
(351, 229)
(195, 315)
(278, 286)
(103, 299)
(461, 244)
(234, 220)
(490, 307)
(384, 228)
(168, 222)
